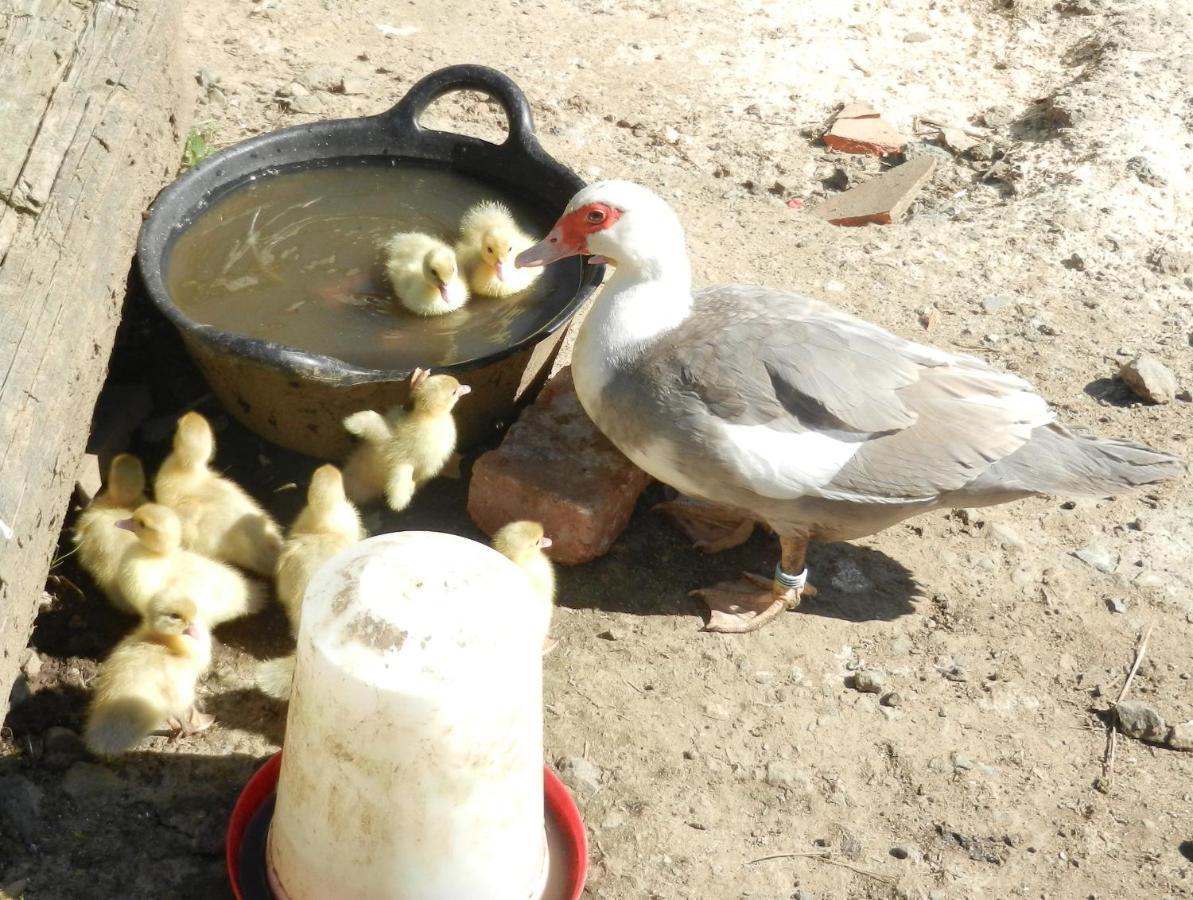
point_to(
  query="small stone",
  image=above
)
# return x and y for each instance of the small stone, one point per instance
(325, 78)
(87, 781)
(961, 762)
(803, 894)
(62, 740)
(88, 480)
(1180, 737)
(916, 37)
(1139, 720)
(351, 85)
(1117, 605)
(690, 754)
(784, 774)
(955, 673)
(868, 681)
(1006, 536)
(32, 666)
(610, 634)
(1098, 557)
(1142, 169)
(994, 302)
(1149, 379)
(555, 467)
(670, 135)
(998, 117)
(309, 105)
(1074, 261)
(764, 677)
(893, 699)
(20, 806)
(580, 775)
(613, 821)
(900, 852)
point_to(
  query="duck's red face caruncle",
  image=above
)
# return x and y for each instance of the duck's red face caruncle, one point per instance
(570, 235)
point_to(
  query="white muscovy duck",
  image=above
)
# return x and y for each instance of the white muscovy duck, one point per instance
(792, 412)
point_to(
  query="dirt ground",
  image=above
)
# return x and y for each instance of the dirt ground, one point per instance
(719, 766)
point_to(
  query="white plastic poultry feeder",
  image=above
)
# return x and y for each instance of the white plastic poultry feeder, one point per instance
(413, 762)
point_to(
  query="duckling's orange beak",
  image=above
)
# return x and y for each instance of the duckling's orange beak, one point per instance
(193, 631)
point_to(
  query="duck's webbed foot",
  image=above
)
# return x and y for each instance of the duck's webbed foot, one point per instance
(710, 527)
(746, 605)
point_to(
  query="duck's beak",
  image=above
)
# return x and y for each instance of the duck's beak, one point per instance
(499, 270)
(544, 543)
(126, 524)
(193, 631)
(555, 245)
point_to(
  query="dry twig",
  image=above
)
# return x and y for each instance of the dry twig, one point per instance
(826, 856)
(1112, 723)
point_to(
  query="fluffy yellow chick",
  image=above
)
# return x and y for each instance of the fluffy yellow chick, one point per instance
(218, 518)
(102, 546)
(407, 446)
(523, 543)
(489, 241)
(157, 562)
(149, 679)
(327, 525)
(424, 274)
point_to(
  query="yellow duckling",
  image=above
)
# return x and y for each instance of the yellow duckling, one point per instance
(101, 546)
(408, 446)
(149, 680)
(219, 519)
(327, 525)
(523, 544)
(157, 562)
(489, 241)
(424, 274)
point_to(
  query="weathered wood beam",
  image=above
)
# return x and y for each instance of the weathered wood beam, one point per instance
(93, 107)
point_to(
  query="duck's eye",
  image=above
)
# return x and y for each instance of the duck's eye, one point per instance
(595, 216)
(175, 617)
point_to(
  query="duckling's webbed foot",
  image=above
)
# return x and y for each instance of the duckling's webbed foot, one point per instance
(192, 724)
(711, 528)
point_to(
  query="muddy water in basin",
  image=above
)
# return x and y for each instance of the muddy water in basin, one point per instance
(296, 258)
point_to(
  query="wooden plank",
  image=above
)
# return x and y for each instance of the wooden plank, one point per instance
(94, 107)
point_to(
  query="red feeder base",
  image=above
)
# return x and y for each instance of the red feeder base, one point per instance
(244, 847)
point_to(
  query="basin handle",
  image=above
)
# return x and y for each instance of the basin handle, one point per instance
(404, 115)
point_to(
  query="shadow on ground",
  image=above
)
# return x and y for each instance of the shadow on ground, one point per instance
(652, 568)
(66, 823)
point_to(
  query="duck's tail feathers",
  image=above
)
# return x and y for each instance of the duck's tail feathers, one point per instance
(1059, 461)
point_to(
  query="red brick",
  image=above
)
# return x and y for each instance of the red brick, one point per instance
(556, 468)
(859, 129)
